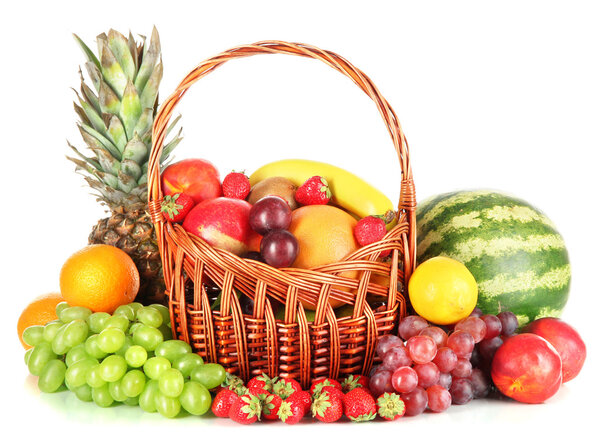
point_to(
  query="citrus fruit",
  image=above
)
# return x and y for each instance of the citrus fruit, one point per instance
(442, 290)
(99, 277)
(39, 312)
(325, 235)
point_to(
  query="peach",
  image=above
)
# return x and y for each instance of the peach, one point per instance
(565, 340)
(195, 177)
(527, 368)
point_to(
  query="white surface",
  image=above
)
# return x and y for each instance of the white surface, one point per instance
(495, 95)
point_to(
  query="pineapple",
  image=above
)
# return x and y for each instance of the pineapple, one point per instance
(116, 119)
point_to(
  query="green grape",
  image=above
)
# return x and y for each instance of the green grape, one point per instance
(136, 306)
(72, 313)
(50, 330)
(172, 349)
(59, 343)
(76, 354)
(154, 367)
(166, 332)
(92, 348)
(164, 311)
(209, 375)
(96, 321)
(150, 316)
(28, 355)
(84, 393)
(170, 383)
(148, 395)
(133, 327)
(136, 356)
(126, 311)
(60, 307)
(52, 376)
(128, 343)
(187, 362)
(101, 396)
(167, 406)
(133, 401)
(75, 332)
(33, 335)
(110, 339)
(116, 391)
(195, 398)
(117, 321)
(147, 337)
(93, 378)
(77, 373)
(39, 357)
(133, 383)
(112, 368)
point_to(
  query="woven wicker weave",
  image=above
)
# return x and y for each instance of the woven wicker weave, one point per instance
(250, 344)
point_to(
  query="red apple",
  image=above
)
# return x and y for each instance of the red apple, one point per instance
(223, 223)
(565, 340)
(195, 177)
(527, 368)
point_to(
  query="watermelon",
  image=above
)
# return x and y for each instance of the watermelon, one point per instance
(512, 249)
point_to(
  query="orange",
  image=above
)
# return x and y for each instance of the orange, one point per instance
(99, 277)
(39, 312)
(325, 235)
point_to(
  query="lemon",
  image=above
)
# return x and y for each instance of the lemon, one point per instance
(442, 290)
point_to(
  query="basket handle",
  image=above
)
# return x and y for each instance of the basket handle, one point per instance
(407, 202)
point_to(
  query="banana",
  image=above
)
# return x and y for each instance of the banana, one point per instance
(348, 191)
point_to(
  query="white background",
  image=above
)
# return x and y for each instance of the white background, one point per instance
(500, 95)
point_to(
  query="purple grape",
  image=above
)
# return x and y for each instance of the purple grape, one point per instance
(487, 348)
(279, 248)
(395, 357)
(381, 382)
(481, 383)
(386, 342)
(445, 380)
(461, 390)
(270, 213)
(509, 321)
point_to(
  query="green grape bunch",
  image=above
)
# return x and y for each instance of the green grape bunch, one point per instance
(128, 357)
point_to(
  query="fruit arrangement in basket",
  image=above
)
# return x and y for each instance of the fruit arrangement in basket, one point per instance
(294, 291)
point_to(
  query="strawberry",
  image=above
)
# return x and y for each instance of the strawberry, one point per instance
(359, 405)
(175, 207)
(315, 190)
(322, 384)
(352, 382)
(235, 383)
(327, 407)
(246, 409)
(303, 397)
(291, 411)
(236, 185)
(369, 230)
(286, 386)
(222, 402)
(390, 406)
(262, 382)
(270, 406)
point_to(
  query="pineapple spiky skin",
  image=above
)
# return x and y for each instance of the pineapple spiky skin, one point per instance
(133, 232)
(116, 116)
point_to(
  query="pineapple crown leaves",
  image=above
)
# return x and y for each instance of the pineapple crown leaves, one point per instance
(390, 405)
(116, 115)
(320, 405)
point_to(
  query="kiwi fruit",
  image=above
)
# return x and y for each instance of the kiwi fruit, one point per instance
(278, 186)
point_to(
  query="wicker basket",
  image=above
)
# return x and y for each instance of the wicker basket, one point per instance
(250, 344)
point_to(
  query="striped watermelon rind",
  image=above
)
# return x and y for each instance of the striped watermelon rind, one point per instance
(513, 250)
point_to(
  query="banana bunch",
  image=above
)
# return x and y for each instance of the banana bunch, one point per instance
(349, 191)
